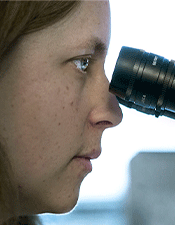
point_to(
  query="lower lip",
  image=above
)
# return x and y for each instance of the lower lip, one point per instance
(84, 162)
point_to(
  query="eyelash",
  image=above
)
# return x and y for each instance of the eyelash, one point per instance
(81, 63)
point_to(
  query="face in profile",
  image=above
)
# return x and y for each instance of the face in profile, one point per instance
(57, 106)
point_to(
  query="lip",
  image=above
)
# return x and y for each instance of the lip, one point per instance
(85, 160)
(92, 155)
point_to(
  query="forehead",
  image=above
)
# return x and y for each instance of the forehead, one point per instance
(88, 27)
(91, 19)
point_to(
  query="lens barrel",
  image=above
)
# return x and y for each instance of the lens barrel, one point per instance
(144, 81)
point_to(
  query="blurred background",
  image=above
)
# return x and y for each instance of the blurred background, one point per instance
(105, 193)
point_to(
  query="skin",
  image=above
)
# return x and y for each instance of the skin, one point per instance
(53, 111)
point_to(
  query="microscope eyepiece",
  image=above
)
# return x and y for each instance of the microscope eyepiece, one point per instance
(144, 81)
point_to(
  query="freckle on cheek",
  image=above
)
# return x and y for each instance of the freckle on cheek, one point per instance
(59, 124)
(67, 88)
(71, 103)
(20, 187)
(57, 143)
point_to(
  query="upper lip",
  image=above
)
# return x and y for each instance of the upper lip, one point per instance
(92, 155)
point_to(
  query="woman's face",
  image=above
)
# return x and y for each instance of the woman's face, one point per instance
(55, 104)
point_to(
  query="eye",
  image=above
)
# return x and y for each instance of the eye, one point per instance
(82, 64)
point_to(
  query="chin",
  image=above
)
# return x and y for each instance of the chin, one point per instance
(68, 209)
(63, 209)
(63, 205)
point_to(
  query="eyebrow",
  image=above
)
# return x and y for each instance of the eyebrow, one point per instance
(99, 47)
(95, 44)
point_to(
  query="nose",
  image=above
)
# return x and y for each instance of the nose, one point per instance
(106, 112)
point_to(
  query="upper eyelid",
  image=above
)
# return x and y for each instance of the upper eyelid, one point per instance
(90, 57)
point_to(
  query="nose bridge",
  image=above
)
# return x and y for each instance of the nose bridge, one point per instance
(106, 109)
(101, 88)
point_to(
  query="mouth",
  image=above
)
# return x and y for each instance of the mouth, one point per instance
(85, 160)
(92, 155)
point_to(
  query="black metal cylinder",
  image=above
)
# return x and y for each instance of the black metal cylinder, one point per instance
(144, 81)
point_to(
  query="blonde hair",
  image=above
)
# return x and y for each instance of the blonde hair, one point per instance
(18, 18)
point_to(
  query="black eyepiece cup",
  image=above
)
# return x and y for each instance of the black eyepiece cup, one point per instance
(144, 81)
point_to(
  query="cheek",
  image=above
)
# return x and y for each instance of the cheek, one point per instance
(47, 128)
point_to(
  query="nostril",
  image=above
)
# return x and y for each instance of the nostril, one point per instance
(104, 123)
